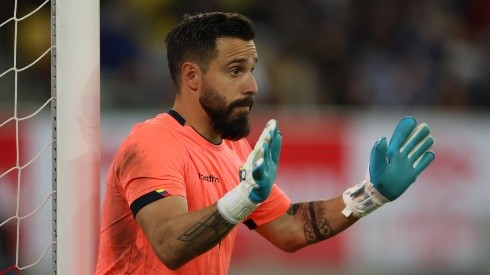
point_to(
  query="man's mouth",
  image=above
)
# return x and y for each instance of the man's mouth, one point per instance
(245, 104)
(243, 108)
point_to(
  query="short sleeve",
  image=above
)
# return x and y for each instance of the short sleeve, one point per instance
(150, 160)
(275, 206)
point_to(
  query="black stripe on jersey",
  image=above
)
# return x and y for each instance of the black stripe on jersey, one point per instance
(250, 224)
(177, 117)
(144, 201)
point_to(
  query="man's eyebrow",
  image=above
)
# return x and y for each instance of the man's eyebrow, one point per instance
(243, 60)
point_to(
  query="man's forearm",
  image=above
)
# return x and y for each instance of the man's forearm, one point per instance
(190, 239)
(202, 236)
(320, 219)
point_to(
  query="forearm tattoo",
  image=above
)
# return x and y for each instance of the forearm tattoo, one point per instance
(205, 235)
(315, 224)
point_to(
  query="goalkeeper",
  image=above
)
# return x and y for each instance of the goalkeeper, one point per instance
(182, 181)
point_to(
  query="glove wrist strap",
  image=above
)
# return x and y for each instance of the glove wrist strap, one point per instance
(362, 199)
(235, 205)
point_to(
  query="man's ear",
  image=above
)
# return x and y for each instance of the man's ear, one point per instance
(191, 75)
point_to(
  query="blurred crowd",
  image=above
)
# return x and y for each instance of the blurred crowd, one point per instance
(359, 53)
(433, 53)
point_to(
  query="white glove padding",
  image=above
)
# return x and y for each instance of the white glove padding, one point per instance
(256, 177)
(362, 199)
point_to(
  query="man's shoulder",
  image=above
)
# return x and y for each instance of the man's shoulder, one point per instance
(152, 139)
(157, 132)
(161, 124)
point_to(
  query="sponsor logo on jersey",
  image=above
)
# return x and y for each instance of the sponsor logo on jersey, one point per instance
(208, 178)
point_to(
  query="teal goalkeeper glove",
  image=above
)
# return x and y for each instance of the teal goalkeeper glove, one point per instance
(261, 165)
(256, 177)
(392, 168)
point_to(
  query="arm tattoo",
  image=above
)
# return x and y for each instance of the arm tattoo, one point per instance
(204, 235)
(315, 224)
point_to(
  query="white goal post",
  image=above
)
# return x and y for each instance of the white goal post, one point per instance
(76, 119)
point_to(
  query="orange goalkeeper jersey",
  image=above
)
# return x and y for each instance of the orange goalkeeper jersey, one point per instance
(161, 157)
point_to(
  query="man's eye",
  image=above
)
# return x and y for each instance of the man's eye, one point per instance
(235, 71)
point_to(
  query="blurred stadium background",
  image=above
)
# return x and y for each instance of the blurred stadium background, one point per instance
(337, 74)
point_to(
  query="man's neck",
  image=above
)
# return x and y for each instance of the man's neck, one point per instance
(197, 118)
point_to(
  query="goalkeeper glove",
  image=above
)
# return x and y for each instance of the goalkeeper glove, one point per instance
(392, 168)
(256, 177)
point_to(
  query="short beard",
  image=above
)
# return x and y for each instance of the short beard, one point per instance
(222, 120)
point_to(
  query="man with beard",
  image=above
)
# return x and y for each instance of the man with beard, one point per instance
(173, 197)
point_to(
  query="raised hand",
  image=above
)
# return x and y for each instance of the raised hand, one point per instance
(393, 168)
(256, 176)
(260, 169)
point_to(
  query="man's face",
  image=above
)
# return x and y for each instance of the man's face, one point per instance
(230, 119)
(229, 88)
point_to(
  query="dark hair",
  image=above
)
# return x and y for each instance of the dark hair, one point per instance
(194, 39)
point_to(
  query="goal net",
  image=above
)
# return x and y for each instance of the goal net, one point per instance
(49, 136)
